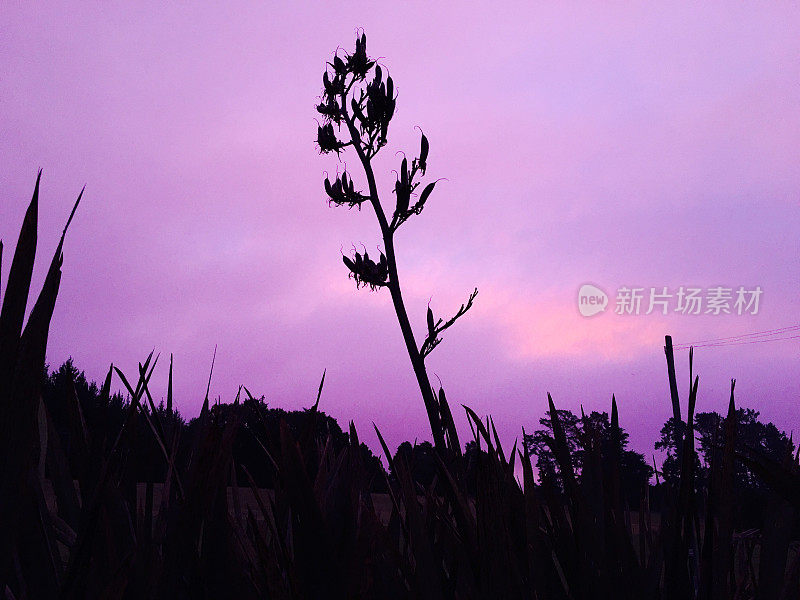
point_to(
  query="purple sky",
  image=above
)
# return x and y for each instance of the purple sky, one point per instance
(623, 147)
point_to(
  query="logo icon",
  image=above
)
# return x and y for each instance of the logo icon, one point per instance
(591, 300)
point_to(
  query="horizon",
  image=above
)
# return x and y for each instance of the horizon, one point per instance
(642, 148)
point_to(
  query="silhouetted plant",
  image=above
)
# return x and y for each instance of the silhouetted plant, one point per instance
(22, 356)
(357, 98)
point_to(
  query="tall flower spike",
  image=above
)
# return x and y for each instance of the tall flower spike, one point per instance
(362, 96)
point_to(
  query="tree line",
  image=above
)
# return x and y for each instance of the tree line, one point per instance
(261, 426)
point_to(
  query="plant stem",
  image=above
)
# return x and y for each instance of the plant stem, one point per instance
(417, 361)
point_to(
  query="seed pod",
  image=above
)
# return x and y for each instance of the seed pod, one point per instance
(423, 152)
(389, 110)
(404, 172)
(403, 198)
(349, 264)
(357, 110)
(431, 326)
(425, 193)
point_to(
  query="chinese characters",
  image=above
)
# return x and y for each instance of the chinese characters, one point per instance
(686, 300)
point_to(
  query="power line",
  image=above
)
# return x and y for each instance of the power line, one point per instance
(780, 339)
(770, 335)
(746, 335)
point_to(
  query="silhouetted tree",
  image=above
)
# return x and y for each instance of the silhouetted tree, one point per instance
(635, 473)
(420, 460)
(103, 419)
(260, 430)
(751, 434)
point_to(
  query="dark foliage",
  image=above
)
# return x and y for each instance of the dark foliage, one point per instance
(421, 461)
(258, 429)
(752, 435)
(581, 433)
